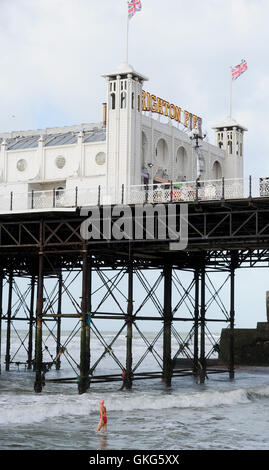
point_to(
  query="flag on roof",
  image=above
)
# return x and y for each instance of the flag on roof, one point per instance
(133, 7)
(237, 70)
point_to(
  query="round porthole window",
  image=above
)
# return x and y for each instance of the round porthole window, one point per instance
(21, 165)
(100, 158)
(60, 161)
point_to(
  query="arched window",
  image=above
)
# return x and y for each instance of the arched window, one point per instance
(133, 96)
(217, 173)
(162, 152)
(59, 192)
(144, 149)
(112, 101)
(123, 100)
(230, 147)
(181, 164)
(138, 103)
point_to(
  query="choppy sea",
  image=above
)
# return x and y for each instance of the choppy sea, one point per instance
(220, 414)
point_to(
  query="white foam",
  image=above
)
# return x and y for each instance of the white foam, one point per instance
(25, 409)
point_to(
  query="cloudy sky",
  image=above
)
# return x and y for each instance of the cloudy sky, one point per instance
(53, 53)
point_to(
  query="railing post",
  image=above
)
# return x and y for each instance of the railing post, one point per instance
(76, 197)
(122, 194)
(171, 191)
(250, 187)
(32, 199)
(54, 197)
(99, 195)
(223, 188)
(196, 191)
(11, 200)
(147, 193)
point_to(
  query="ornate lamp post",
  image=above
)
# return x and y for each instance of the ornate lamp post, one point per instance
(196, 137)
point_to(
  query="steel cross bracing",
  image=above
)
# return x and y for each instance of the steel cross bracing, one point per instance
(110, 288)
(49, 275)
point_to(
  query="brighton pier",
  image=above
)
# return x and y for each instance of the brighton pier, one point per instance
(49, 181)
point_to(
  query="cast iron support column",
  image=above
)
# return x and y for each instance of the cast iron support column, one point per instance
(39, 309)
(129, 340)
(1, 313)
(89, 312)
(167, 316)
(59, 312)
(31, 322)
(196, 325)
(9, 311)
(84, 381)
(202, 321)
(232, 315)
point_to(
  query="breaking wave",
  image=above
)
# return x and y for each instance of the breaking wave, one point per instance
(34, 409)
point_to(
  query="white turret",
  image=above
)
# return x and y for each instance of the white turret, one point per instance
(124, 92)
(230, 137)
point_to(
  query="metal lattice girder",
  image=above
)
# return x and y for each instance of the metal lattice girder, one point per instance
(222, 238)
(211, 225)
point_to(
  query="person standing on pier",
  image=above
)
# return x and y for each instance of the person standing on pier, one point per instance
(103, 417)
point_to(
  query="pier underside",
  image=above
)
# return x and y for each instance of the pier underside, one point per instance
(51, 277)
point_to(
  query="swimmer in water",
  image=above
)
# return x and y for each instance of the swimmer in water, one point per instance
(103, 417)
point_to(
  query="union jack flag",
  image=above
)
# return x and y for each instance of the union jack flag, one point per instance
(237, 70)
(133, 7)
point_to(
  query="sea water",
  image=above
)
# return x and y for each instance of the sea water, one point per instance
(220, 414)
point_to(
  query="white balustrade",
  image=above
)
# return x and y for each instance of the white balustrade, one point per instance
(186, 191)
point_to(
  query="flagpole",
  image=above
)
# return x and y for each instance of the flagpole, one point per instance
(127, 38)
(231, 91)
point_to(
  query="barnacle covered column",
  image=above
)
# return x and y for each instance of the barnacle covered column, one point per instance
(59, 320)
(84, 380)
(129, 336)
(31, 323)
(9, 311)
(196, 324)
(1, 313)
(39, 311)
(234, 260)
(167, 320)
(202, 323)
(231, 361)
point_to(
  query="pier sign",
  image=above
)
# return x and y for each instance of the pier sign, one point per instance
(160, 106)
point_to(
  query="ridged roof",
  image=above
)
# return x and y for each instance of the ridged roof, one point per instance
(57, 139)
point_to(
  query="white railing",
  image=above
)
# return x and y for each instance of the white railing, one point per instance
(209, 190)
